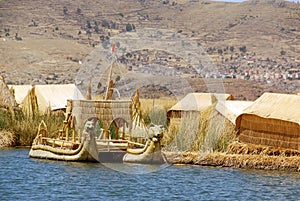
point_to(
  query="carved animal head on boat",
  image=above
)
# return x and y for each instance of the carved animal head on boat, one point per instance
(155, 132)
(90, 124)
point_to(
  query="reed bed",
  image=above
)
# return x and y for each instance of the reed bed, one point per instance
(252, 149)
(20, 129)
(155, 110)
(246, 161)
(183, 137)
(216, 132)
(7, 138)
(206, 131)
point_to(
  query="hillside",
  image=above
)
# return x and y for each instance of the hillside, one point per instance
(47, 42)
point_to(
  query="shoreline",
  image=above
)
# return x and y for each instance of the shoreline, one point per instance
(241, 161)
(227, 160)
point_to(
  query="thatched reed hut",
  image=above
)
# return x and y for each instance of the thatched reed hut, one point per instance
(42, 98)
(192, 122)
(192, 104)
(20, 92)
(272, 120)
(231, 109)
(106, 111)
(118, 119)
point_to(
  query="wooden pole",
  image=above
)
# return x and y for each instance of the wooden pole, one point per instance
(67, 128)
(74, 130)
(110, 73)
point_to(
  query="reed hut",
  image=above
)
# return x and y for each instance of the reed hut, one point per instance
(114, 115)
(192, 105)
(231, 109)
(42, 98)
(272, 120)
(20, 92)
(119, 119)
(190, 122)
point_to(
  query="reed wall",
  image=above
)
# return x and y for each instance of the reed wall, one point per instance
(270, 132)
(105, 110)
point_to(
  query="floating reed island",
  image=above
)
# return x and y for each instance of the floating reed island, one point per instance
(241, 155)
(264, 134)
(205, 129)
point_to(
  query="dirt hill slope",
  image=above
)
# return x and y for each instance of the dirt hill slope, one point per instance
(45, 41)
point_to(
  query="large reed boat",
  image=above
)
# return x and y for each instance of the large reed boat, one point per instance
(113, 131)
(87, 146)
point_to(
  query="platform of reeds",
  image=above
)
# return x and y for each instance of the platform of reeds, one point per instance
(239, 155)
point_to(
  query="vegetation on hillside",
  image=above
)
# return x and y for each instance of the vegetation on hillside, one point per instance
(268, 28)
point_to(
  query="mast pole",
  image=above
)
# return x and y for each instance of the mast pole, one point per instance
(110, 72)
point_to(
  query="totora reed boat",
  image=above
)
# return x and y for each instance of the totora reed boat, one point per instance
(113, 131)
(89, 147)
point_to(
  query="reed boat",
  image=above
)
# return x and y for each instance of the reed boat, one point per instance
(90, 148)
(113, 131)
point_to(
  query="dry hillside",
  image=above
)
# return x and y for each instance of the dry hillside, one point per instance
(45, 41)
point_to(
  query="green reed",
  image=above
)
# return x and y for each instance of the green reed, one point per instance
(24, 128)
(206, 131)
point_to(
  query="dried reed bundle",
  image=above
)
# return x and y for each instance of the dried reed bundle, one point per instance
(252, 149)
(182, 157)
(263, 162)
(241, 155)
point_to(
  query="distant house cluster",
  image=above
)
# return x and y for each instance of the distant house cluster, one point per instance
(245, 66)
(157, 62)
(262, 69)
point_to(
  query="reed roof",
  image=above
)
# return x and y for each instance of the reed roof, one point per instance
(20, 91)
(275, 106)
(55, 96)
(231, 109)
(198, 101)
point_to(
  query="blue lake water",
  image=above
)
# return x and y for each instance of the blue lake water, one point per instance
(24, 178)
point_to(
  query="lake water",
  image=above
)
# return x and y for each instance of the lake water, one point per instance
(24, 178)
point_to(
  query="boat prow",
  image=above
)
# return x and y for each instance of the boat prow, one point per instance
(150, 154)
(63, 149)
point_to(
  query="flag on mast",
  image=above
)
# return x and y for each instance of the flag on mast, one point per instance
(113, 47)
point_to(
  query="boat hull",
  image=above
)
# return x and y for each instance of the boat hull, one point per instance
(43, 152)
(151, 155)
(89, 148)
(83, 154)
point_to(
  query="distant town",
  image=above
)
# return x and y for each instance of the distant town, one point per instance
(235, 65)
